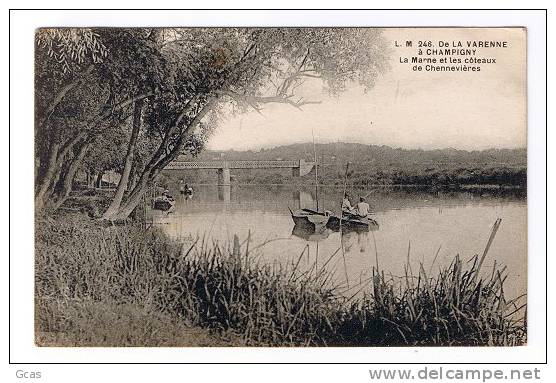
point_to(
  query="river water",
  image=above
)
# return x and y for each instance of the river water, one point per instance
(421, 223)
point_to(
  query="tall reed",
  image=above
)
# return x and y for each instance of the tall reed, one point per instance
(225, 288)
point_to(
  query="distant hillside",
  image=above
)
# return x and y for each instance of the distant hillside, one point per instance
(372, 164)
(379, 155)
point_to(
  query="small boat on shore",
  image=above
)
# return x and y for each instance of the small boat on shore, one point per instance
(164, 202)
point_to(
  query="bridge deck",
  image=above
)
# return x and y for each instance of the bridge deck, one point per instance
(177, 165)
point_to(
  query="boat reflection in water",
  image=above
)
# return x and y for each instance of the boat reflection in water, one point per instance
(355, 239)
(351, 233)
(310, 234)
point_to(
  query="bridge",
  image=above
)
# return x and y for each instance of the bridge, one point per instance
(299, 167)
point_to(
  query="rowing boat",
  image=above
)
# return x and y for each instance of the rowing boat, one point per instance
(163, 203)
(352, 222)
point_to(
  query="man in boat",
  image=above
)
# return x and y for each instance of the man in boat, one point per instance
(166, 195)
(363, 208)
(185, 188)
(346, 206)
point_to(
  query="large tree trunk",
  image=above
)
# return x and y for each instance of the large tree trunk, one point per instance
(57, 156)
(134, 198)
(44, 185)
(58, 153)
(159, 161)
(45, 182)
(132, 176)
(124, 179)
(66, 182)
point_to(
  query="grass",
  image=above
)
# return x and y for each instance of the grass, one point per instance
(451, 309)
(87, 323)
(130, 287)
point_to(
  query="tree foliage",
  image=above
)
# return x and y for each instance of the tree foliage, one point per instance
(70, 48)
(186, 79)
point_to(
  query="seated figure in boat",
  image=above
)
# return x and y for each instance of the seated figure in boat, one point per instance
(363, 208)
(347, 208)
(185, 189)
(166, 195)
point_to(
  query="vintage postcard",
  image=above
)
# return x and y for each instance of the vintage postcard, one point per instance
(279, 186)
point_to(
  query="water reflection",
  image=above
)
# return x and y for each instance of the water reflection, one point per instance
(224, 193)
(308, 234)
(352, 238)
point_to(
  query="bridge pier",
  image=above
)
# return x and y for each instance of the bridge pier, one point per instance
(223, 176)
(304, 168)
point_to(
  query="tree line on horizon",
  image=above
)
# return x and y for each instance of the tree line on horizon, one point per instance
(374, 164)
(355, 152)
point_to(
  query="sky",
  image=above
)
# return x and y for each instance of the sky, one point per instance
(408, 109)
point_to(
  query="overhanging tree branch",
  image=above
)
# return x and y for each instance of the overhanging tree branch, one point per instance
(63, 92)
(255, 101)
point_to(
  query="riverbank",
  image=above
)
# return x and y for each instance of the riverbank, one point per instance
(89, 291)
(100, 285)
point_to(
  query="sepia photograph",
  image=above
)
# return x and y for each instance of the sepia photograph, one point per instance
(280, 186)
